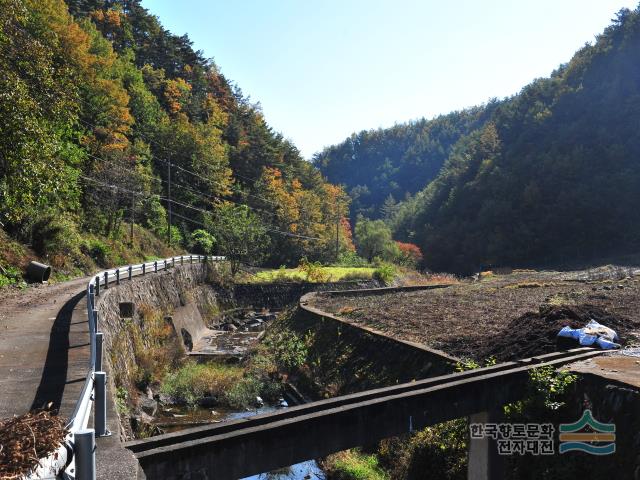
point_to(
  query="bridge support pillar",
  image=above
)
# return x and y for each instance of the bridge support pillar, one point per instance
(484, 462)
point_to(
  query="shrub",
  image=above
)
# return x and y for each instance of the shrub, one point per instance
(243, 393)
(385, 273)
(98, 251)
(354, 465)
(289, 351)
(351, 259)
(10, 276)
(194, 381)
(409, 254)
(314, 272)
(55, 238)
(440, 450)
(201, 242)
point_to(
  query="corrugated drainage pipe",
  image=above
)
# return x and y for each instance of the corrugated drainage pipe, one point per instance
(38, 272)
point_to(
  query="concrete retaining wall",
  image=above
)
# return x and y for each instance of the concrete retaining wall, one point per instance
(346, 358)
(279, 295)
(178, 292)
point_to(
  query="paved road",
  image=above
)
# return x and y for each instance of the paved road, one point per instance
(44, 347)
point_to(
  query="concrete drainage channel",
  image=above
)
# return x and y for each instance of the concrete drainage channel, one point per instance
(76, 457)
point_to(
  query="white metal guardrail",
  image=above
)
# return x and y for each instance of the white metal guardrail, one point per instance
(80, 444)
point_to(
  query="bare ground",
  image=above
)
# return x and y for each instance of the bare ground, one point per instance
(506, 316)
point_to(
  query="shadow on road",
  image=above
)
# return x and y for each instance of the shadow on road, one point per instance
(54, 375)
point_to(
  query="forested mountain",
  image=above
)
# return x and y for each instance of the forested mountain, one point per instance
(100, 107)
(552, 176)
(380, 168)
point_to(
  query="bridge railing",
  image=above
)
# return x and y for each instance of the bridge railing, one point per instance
(81, 440)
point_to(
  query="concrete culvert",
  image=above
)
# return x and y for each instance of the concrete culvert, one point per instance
(127, 309)
(38, 272)
(187, 339)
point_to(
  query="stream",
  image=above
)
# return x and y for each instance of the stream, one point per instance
(236, 330)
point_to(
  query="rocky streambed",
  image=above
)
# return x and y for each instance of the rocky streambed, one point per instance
(232, 333)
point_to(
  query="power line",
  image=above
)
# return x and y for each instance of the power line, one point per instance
(198, 193)
(201, 195)
(268, 228)
(170, 164)
(148, 140)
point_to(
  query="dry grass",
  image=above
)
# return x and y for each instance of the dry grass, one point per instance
(412, 279)
(347, 310)
(528, 285)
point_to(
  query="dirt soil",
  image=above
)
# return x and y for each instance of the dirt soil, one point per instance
(507, 316)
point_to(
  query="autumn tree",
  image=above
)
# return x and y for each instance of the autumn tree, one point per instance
(240, 235)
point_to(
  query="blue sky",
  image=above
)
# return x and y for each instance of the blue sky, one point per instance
(324, 69)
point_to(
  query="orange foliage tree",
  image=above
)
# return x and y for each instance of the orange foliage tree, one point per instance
(410, 253)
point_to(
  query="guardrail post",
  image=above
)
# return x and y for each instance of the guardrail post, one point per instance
(106, 280)
(173, 262)
(95, 319)
(97, 286)
(100, 413)
(92, 296)
(130, 272)
(144, 268)
(190, 258)
(84, 449)
(165, 264)
(205, 259)
(181, 260)
(155, 266)
(99, 351)
(117, 276)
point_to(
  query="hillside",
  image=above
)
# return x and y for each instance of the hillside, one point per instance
(107, 119)
(380, 168)
(550, 178)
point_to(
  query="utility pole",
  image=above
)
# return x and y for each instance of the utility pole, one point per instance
(133, 208)
(337, 238)
(169, 202)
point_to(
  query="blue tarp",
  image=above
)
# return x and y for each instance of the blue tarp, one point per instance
(592, 333)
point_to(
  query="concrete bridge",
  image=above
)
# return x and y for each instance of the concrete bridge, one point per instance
(265, 442)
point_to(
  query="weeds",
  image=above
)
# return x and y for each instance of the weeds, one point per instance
(313, 271)
(192, 382)
(547, 390)
(289, 351)
(354, 465)
(122, 400)
(385, 273)
(11, 276)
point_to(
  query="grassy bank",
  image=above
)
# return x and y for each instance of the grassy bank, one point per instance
(324, 274)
